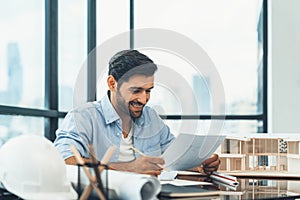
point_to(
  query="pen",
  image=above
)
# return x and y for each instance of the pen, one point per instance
(224, 178)
(142, 154)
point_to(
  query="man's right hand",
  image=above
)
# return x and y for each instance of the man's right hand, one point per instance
(142, 165)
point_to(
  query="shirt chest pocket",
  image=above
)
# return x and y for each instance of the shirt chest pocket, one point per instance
(153, 151)
(150, 146)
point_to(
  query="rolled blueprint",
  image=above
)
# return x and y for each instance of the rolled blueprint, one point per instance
(133, 186)
(121, 185)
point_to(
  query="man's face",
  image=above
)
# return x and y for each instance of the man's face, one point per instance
(133, 95)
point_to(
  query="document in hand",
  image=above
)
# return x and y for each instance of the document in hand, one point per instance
(188, 151)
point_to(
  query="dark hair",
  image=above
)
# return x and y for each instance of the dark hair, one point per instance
(127, 63)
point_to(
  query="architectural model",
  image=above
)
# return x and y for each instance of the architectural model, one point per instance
(260, 152)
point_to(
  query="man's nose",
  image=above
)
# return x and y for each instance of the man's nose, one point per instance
(143, 97)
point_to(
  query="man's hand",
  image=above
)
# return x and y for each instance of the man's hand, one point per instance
(143, 165)
(210, 165)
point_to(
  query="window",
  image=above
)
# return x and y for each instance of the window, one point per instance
(110, 26)
(22, 53)
(232, 33)
(72, 26)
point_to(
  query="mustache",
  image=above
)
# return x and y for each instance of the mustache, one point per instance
(136, 102)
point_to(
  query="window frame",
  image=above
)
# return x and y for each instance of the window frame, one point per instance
(51, 113)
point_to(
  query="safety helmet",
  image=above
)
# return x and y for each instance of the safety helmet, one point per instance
(31, 168)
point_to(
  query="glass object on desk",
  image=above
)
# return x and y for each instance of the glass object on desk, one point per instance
(269, 189)
(263, 189)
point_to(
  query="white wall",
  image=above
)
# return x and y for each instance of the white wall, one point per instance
(284, 66)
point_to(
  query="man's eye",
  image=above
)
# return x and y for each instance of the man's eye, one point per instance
(136, 91)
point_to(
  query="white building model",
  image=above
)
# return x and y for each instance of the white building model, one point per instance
(260, 152)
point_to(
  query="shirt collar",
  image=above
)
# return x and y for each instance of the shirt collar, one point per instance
(109, 111)
(141, 120)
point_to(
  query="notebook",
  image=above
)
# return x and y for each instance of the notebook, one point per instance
(169, 190)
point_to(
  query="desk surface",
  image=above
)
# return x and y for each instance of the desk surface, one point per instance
(249, 188)
(255, 188)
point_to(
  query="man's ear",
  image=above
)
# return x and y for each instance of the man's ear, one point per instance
(112, 83)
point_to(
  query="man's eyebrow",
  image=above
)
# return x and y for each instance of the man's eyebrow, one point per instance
(140, 88)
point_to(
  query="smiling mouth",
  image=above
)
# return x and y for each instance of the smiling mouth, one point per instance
(136, 105)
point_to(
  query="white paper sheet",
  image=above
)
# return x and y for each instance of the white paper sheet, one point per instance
(188, 173)
(179, 182)
(188, 151)
(167, 175)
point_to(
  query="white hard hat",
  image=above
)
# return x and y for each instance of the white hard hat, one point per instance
(31, 168)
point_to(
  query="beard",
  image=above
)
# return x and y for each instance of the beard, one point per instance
(124, 107)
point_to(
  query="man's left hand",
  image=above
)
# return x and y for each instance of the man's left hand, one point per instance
(210, 165)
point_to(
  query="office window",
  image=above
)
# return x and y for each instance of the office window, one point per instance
(180, 88)
(12, 126)
(227, 31)
(72, 49)
(112, 20)
(230, 33)
(112, 23)
(22, 52)
(22, 58)
(205, 126)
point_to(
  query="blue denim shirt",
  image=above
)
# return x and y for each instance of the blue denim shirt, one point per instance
(98, 123)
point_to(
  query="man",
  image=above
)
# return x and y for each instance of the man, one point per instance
(122, 118)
